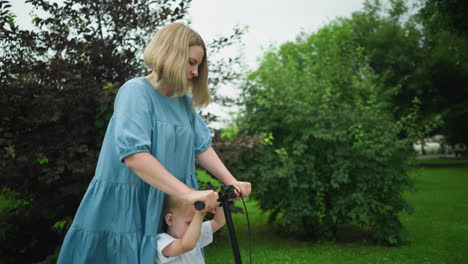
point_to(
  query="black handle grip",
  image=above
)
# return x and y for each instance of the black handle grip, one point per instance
(226, 193)
(199, 205)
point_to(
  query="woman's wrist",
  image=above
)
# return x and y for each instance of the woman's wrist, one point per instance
(230, 181)
(186, 194)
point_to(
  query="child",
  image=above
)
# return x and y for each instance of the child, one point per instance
(186, 232)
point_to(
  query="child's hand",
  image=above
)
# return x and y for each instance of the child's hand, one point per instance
(214, 210)
(218, 220)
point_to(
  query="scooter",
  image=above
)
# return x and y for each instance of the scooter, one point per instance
(226, 195)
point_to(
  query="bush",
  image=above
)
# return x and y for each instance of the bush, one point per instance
(331, 152)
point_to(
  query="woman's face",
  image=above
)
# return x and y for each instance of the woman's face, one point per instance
(196, 54)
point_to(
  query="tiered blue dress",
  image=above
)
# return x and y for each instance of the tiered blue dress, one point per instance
(120, 214)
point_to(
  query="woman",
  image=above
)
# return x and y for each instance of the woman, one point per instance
(150, 148)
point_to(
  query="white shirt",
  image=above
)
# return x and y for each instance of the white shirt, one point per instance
(194, 256)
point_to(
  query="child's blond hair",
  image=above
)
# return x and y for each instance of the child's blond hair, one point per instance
(172, 203)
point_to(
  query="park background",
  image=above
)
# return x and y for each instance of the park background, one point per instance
(326, 124)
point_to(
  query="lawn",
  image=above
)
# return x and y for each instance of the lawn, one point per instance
(438, 229)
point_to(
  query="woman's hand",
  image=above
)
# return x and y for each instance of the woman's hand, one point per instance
(245, 188)
(209, 160)
(209, 197)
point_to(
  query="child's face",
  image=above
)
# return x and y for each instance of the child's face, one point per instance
(180, 221)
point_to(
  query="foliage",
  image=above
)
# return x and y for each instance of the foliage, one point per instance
(419, 56)
(332, 153)
(206, 181)
(393, 48)
(229, 132)
(445, 15)
(11, 203)
(58, 84)
(446, 63)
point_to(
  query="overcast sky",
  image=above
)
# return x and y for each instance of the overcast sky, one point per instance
(269, 21)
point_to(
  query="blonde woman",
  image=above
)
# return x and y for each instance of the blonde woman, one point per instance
(149, 150)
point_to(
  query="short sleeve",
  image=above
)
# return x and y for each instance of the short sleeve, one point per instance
(132, 117)
(202, 134)
(206, 235)
(163, 241)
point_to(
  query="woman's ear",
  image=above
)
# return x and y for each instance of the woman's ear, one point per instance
(169, 218)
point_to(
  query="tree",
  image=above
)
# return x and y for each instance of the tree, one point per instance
(449, 15)
(331, 152)
(446, 42)
(393, 47)
(58, 84)
(418, 56)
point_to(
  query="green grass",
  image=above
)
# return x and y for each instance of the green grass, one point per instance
(439, 162)
(438, 230)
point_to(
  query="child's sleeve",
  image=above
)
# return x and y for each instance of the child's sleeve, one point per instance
(202, 134)
(206, 235)
(132, 117)
(163, 241)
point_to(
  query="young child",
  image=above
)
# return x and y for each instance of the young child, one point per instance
(186, 233)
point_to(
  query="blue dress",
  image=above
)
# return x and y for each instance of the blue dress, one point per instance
(120, 214)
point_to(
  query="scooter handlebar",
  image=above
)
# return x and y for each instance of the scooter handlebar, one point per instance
(226, 193)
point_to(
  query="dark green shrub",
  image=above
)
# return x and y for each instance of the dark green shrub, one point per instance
(331, 152)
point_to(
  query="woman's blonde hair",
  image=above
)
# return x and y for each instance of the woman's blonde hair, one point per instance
(167, 55)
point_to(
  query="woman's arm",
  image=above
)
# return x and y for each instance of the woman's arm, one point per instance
(209, 160)
(152, 172)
